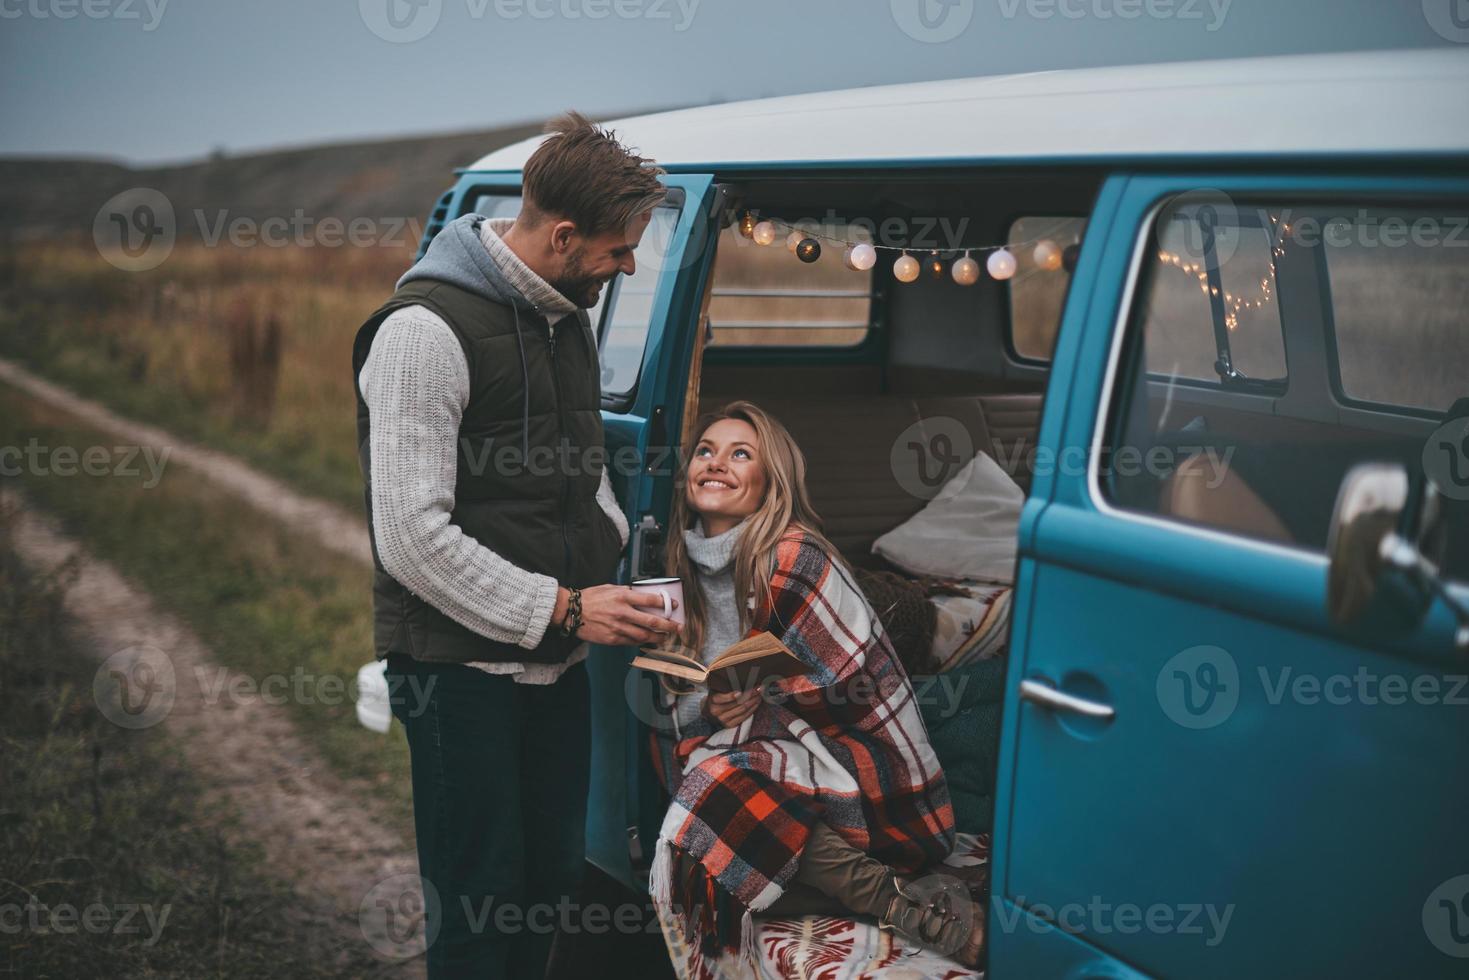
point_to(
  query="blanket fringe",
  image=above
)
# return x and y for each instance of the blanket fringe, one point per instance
(660, 875)
(749, 949)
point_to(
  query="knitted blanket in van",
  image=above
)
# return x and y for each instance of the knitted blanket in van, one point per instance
(844, 743)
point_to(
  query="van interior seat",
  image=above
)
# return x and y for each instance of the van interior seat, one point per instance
(1193, 493)
(848, 441)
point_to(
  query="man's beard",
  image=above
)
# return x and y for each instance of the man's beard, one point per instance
(575, 284)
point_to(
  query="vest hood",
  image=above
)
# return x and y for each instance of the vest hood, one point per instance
(456, 255)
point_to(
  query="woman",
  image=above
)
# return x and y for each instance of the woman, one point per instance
(819, 793)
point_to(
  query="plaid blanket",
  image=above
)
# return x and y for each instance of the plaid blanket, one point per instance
(844, 743)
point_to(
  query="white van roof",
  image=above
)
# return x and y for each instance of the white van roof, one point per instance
(1382, 102)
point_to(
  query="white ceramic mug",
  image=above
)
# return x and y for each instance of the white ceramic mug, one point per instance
(670, 590)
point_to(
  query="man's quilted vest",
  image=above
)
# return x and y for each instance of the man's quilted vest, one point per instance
(528, 474)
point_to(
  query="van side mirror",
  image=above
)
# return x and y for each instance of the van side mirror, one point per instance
(1375, 548)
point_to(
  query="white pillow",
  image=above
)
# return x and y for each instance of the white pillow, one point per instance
(968, 531)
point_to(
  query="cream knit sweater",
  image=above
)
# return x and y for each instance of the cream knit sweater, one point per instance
(416, 385)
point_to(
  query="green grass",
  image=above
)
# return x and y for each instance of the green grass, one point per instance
(110, 862)
(265, 602)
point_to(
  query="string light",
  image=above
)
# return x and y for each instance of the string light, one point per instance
(1047, 256)
(905, 269)
(861, 256)
(935, 266)
(965, 271)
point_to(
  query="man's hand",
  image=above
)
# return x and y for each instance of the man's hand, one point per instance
(732, 707)
(613, 615)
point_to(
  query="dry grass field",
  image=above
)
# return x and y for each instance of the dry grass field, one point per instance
(248, 350)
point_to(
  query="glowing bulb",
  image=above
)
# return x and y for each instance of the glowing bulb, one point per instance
(1001, 264)
(966, 271)
(906, 268)
(793, 240)
(1047, 256)
(809, 250)
(763, 233)
(935, 266)
(747, 224)
(863, 257)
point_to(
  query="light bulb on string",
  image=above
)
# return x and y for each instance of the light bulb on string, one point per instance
(793, 240)
(763, 233)
(1069, 255)
(1047, 256)
(1001, 264)
(809, 250)
(863, 257)
(747, 224)
(935, 266)
(965, 271)
(905, 269)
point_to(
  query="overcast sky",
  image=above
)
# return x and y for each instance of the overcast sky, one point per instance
(155, 80)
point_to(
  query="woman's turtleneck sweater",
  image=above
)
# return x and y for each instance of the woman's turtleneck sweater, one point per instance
(713, 562)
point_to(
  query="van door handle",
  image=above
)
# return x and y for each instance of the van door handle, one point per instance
(1047, 695)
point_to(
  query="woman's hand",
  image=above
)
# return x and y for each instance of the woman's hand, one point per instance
(733, 707)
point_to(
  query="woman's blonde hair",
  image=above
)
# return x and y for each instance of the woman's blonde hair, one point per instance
(786, 503)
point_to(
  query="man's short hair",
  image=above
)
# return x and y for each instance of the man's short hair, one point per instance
(583, 174)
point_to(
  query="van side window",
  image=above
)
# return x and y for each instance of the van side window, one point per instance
(624, 309)
(622, 329)
(1218, 323)
(1234, 298)
(1399, 296)
(763, 296)
(1038, 292)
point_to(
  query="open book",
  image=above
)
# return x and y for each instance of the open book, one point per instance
(743, 667)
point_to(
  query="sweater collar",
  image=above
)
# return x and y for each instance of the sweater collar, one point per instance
(712, 555)
(538, 291)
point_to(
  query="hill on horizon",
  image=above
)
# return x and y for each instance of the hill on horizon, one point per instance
(380, 179)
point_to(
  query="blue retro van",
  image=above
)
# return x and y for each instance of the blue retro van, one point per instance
(1224, 353)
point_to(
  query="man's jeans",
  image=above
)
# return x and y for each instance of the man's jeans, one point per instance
(500, 773)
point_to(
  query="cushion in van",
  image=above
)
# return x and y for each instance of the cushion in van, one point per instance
(968, 531)
(971, 624)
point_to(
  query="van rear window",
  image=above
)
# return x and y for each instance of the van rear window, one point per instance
(763, 296)
(1399, 291)
(1037, 292)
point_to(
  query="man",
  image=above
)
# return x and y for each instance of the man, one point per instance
(494, 533)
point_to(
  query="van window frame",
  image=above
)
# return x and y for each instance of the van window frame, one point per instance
(1007, 335)
(871, 348)
(1333, 348)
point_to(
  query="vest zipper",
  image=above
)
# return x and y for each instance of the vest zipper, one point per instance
(565, 477)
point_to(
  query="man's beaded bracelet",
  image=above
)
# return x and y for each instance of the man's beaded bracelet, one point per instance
(573, 621)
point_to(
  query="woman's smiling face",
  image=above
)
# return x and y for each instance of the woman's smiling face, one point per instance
(727, 478)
